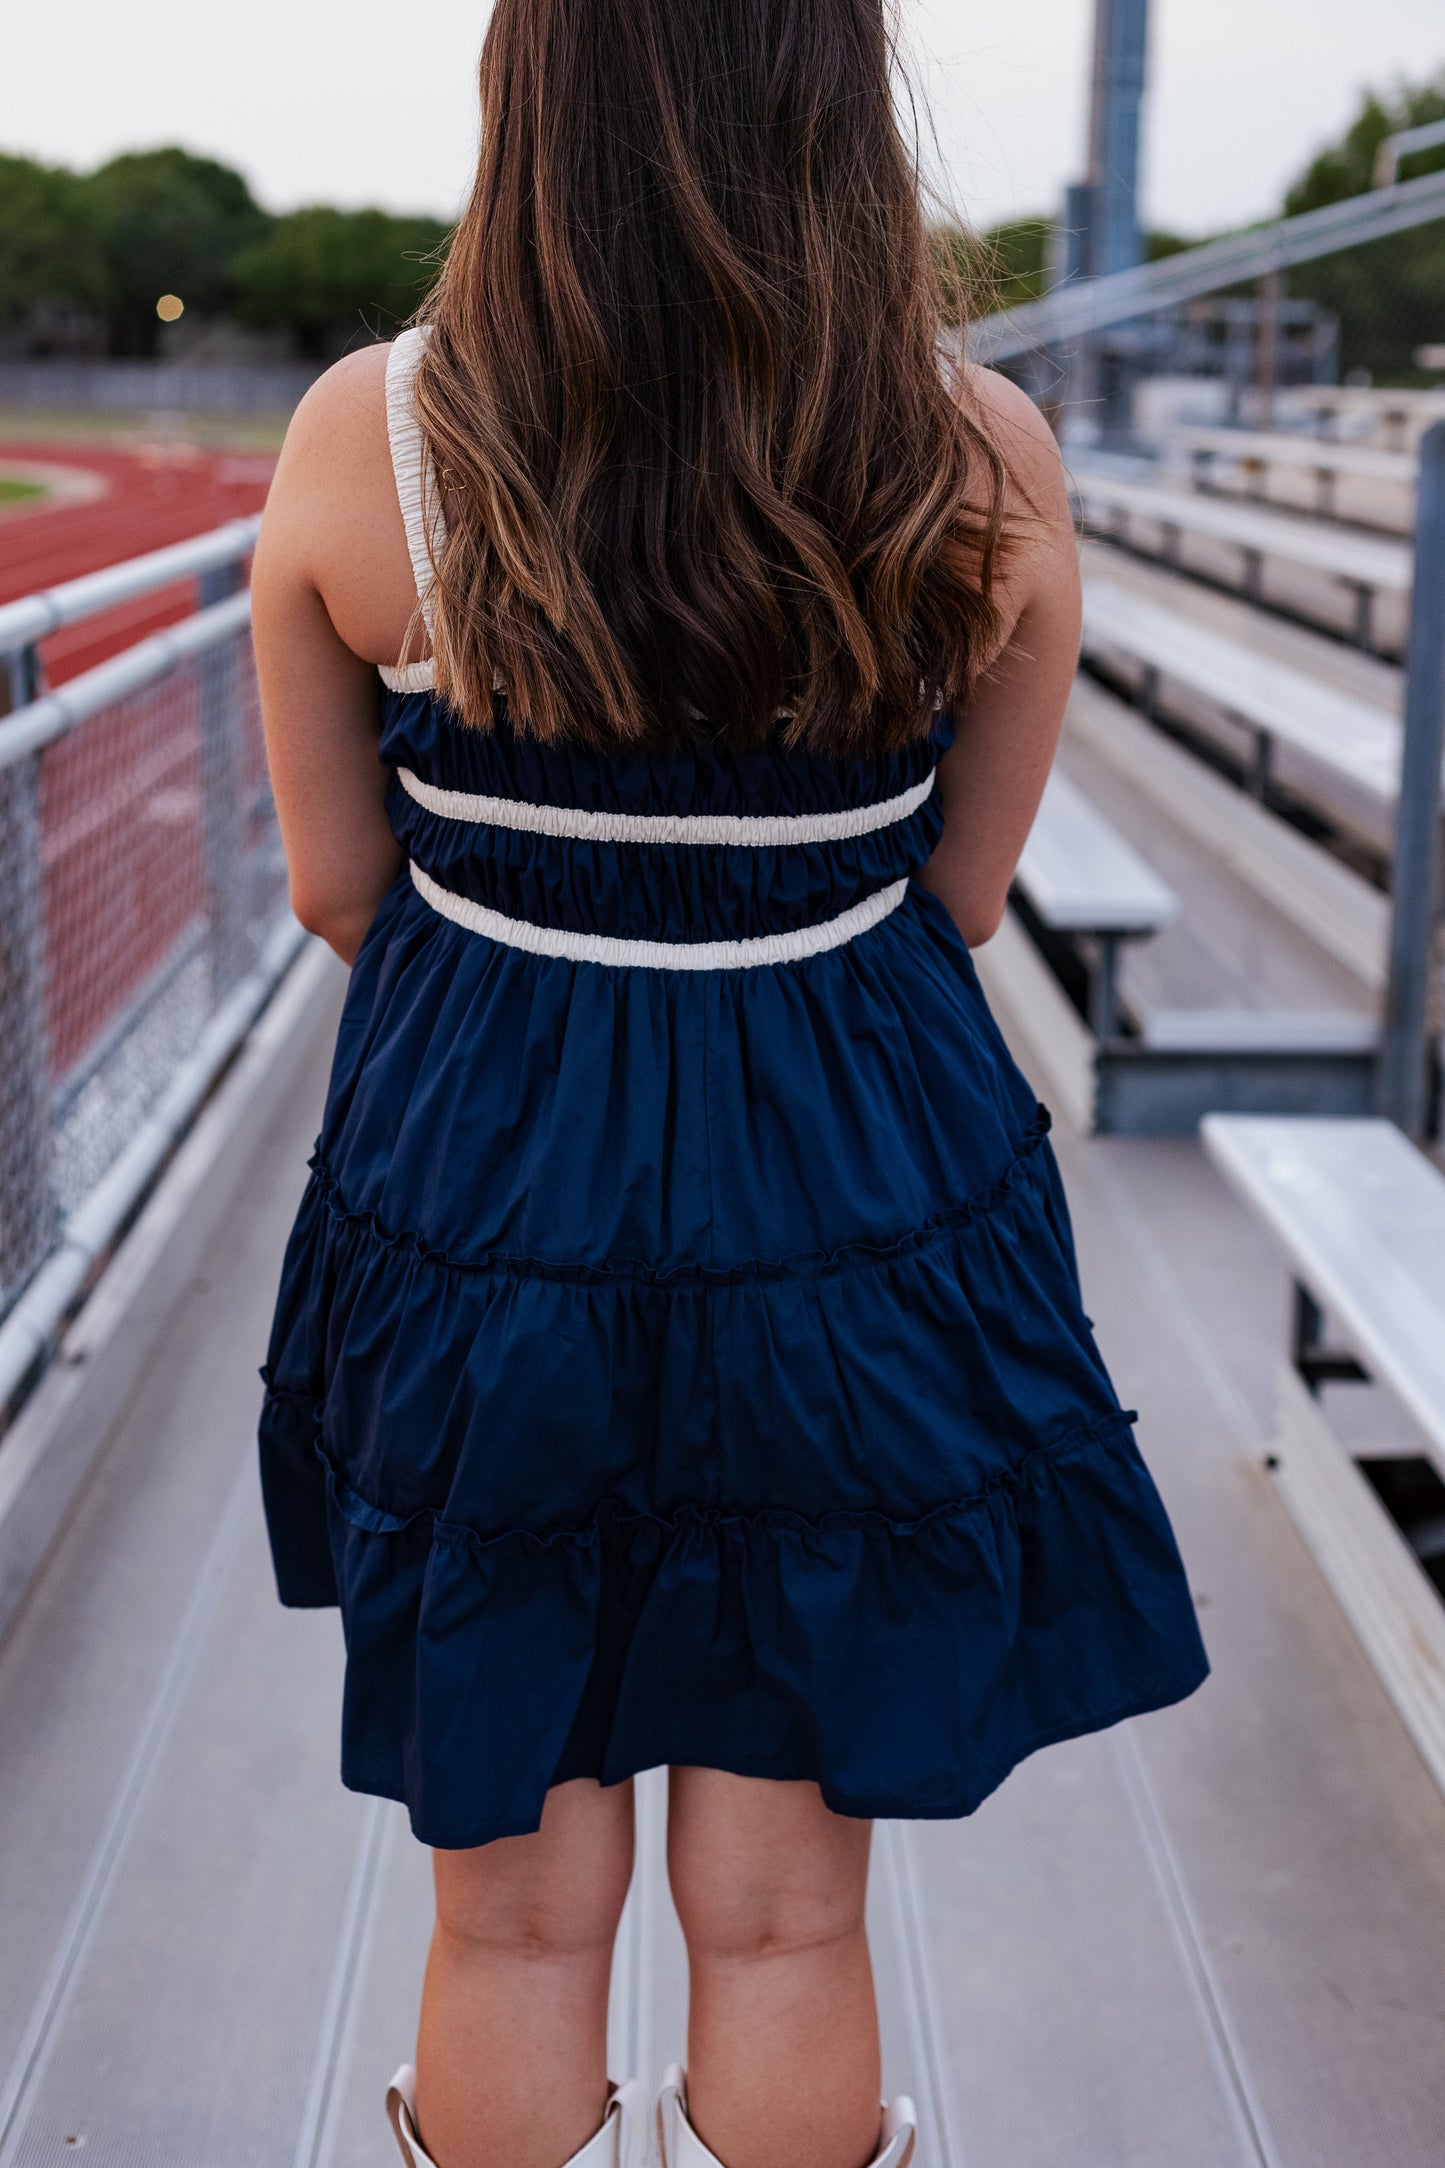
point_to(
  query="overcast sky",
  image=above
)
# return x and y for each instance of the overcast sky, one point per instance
(371, 101)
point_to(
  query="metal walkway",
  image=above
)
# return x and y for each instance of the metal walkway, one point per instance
(1212, 1939)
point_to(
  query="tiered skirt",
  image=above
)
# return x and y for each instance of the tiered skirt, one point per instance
(691, 1368)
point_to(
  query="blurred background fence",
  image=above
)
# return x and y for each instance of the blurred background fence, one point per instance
(143, 912)
(77, 386)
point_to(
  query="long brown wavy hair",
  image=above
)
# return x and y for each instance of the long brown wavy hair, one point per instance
(700, 462)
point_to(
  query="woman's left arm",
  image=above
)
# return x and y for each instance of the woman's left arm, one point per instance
(319, 700)
(992, 778)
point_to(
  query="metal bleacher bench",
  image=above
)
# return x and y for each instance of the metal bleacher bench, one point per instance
(1268, 699)
(1360, 1215)
(1255, 451)
(1398, 416)
(1080, 877)
(1365, 565)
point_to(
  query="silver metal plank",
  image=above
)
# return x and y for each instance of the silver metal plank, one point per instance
(1377, 1580)
(1345, 733)
(1315, 655)
(378, 2027)
(1366, 411)
(1080, 874)
(1339, 910)
(1342, 552)
(648, 2015)
(82, 1665)
(38, 2038)
(1287, 448)
(1072, 2027)
(331, 2058)
(1361, 1214)
(1229, 949)
(228, 1902)
(1309, 1836)
(915, 2048)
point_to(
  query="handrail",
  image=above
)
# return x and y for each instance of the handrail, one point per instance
(29, 729)
(1081, 306)
(29, 1330)
(33, 617)
(1404, 145)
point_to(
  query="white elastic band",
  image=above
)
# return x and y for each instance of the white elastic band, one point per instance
(596, 948)
(408, 677)
(749, 831)
(416, 484)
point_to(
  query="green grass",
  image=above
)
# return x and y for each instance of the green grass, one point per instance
(11, 491)
(126, 427)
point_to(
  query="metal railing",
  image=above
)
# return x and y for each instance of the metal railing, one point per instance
(1081, 306)
(67, 385)
(143, 913)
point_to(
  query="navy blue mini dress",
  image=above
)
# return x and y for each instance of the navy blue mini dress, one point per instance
(679, 1355)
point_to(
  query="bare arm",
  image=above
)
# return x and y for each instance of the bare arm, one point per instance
(991, 780)
(331, 532)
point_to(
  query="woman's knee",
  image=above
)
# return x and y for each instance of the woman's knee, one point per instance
(760, 1869)
(556, 1894)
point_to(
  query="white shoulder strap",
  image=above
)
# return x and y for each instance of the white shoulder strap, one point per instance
(416, 483)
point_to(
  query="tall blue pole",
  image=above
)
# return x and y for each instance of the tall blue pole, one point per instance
(1401, 1088)
(1099, 232)
(1121, 35)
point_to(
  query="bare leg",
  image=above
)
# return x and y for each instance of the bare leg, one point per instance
(512, 2054)
(783, 2062)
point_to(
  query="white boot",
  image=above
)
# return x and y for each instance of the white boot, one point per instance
(682, 2147)
(620, 2143)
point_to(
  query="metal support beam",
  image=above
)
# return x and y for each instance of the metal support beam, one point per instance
(222, 789)
(1120, 39)
(1402, 1082)
(1317, 1363)
(1101, 215)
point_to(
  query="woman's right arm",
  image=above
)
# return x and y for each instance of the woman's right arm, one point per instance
(319, 698)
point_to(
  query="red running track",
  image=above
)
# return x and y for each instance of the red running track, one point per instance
(152, 497)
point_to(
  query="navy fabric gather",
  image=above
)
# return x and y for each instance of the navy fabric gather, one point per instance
(682, 1365)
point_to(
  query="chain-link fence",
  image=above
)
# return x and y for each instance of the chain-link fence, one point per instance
(141, 885)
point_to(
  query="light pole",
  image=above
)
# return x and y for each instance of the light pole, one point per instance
(1101, 214)
(1121, 38)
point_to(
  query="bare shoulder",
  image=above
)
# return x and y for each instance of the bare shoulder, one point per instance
(333, 520)
(1039, 573)
(1023, 438)
(341, 422)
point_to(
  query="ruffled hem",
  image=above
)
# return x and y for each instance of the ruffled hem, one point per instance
(903, 1665)
(573, 1521)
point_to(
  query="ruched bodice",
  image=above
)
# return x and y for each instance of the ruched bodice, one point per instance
(694, 847)
(679, 1354)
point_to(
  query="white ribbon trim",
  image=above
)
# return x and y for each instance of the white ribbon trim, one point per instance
(749, 831)
(408, 677)
(416, 483)
(596, 948)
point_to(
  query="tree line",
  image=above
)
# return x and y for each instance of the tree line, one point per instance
(101, 248)
(1390, 294)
